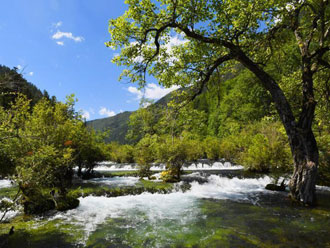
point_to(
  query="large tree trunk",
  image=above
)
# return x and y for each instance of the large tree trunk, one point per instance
(305, 156)
(300, 135)
(303, 144)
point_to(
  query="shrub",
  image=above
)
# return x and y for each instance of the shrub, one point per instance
(212, 147)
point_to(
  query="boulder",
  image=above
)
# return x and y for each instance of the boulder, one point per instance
(275, 187)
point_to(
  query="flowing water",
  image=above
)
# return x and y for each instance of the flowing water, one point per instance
(200, 165)
(219, 210)
(4, 183)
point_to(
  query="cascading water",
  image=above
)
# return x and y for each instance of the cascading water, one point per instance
(177, 207)
(4, 183)
(203, 165)
(219, 212)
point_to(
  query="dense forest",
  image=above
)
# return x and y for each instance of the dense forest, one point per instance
(11, 80)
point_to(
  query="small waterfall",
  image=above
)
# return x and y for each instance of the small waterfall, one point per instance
(199, 165)
(218, 187)
(4, 183)
(322, 188)
(212, 166)
(109, 166)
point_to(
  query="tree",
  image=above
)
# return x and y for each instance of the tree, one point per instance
(215, 35)
(41, 146)
(143, 122)
(13, 82)
(144, 154)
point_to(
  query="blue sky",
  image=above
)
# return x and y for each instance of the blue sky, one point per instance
(58, 45)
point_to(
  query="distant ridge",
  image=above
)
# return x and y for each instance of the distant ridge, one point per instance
(13, 81)
(118, 124)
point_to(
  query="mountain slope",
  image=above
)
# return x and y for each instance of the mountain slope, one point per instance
(12, 81)
(118, 124)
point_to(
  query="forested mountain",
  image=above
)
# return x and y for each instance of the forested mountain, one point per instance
(235, 95)
(12, 81)
(118, 124)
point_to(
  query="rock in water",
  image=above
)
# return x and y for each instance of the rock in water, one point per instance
(275, 187)
(11, 232)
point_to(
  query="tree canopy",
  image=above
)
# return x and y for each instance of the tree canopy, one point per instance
(193, 43)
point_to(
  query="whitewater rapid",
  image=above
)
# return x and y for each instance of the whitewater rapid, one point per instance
(176, 206)
(4, 183)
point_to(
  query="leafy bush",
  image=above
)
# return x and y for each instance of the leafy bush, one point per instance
(229, 148)
(193, 149)
(211, 147)
(121, 153)
(266, 147)
(144, 154)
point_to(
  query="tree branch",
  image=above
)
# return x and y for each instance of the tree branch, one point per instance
(208, 74)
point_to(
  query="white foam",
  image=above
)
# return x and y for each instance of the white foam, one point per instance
(4, 183)
(176, 206)
(323, 188)
(93, 211)
(115, 168)
(160, 167)
(214, 166)
(219, 187)
(10, 214)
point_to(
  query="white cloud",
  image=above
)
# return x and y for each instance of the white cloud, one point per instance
(57, 24)
(146, 104)
(151, 91)
(59, 35)
(19, 67)
(135, 91)
(106, 112)
(91, 110)
(175, 41)
(86, 114)
(31, 73)
(60, 43)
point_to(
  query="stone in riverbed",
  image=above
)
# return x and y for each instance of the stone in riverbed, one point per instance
(275, 187)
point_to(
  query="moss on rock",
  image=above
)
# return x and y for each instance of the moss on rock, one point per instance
(66, 203)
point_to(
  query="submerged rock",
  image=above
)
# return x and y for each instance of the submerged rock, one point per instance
(275, 187)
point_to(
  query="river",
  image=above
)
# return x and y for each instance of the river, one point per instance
(222, 208)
